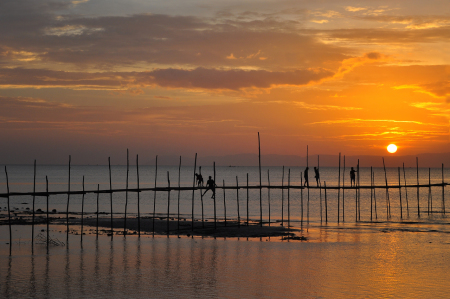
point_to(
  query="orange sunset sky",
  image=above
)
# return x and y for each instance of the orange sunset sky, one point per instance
(92, 78)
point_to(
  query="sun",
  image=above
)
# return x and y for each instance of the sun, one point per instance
(392, 148)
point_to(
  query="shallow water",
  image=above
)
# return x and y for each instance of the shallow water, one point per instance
(390, 258)
(21, 180)
(347, 261)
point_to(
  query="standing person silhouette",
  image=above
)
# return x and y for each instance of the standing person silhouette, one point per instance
(306, 177)
(210, 185)
(317, 176)
(352, 177)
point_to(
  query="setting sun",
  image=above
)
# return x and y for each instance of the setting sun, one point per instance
(392, 148)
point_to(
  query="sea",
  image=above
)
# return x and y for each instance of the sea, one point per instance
(393, 244)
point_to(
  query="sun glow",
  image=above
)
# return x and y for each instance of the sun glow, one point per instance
(392, 148)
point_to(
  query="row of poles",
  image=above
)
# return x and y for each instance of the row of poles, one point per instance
(357, 189)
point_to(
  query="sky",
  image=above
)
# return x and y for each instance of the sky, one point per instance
(91, 78)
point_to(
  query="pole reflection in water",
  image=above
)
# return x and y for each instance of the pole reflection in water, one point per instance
(359, 260)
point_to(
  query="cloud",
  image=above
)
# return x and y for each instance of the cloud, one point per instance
(355, 9)
(114, 42)
(199, 78)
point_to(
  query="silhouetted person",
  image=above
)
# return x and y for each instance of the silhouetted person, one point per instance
(306, 177)
(199, 179)
(352, 177)
(210, 185)
(317, 176)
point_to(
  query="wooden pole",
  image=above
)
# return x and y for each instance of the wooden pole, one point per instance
(154, 195)
(82, 212)
(9, 212)
(289, 202)
(268, 192)
(247, 200)
(326, 202)
(307, 184)
(301, 197)
(98, 195)
(168, 203)
(282, 199)
(126, 196)
(320, 190)
(358, 194)
(443, 196)
(68, 200)
(418, 207)
(34, 198)
(179, 193)
(193, 189)
(110, 196)
(388, 214)
(237, 201)
(260, 182)
(400, 194)
(201, 203)
(138, 196)
(224, 204)
(375, 197)
(371, 195)
(430, 196)
(343, 193)
(356, 199)
(406, 191)
(48, 220)
(214, 195)
(339, 189)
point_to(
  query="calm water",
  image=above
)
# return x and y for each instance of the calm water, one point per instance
(349, 262)
(21, 180)
(395, 258)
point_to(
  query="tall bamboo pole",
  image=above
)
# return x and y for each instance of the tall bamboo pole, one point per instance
(48, 220)
(371, 195)
(400, 194)
(301, 197)
(443, 196)
(247, 201)
(9, 212)
(168, 203)
(193, 189)
(110, 196)
(430, 196)
(307, 184)
(260, 182)
(343, 193)
(358, 193)
(282, 199)
(268, 192)
(154, 195)
(320, 190)
(388, 214)
(326, 202)
(214, 195)
(406, 191)
(34, 198)
(98, 195)
(179, 193)
(126, 196)
(68, 200)
(237, 201)
(339, 189)
(418, 207)
(289, 202)
(375, 197)
(138, 196)
(82, 212)
(224, 204)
